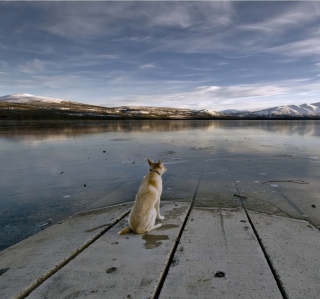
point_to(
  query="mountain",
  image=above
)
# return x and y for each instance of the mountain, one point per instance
(291, 111)
(233, 111)
(305, 110)
(26, 106)
(28, 98)
(170, 113)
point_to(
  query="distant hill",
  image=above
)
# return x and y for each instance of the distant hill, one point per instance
(26, 106)
(233, 111)
(30, 99)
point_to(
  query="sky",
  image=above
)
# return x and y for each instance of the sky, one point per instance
(213, 55)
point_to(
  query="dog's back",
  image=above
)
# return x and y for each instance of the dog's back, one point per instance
(146, 207)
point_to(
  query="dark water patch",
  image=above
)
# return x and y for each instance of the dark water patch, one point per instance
(228, 203)
(4, 270)
(167, 226)
(266, 207)
(153, 241)
(175, 212)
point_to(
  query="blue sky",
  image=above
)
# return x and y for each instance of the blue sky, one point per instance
(214, 55)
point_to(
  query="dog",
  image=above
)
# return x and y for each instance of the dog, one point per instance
(146, 208)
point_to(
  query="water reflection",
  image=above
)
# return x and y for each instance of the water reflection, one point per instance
(30, 130)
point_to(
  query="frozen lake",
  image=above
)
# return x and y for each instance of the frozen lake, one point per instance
(53, 170)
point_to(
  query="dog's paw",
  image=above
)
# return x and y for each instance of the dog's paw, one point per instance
(160, 217)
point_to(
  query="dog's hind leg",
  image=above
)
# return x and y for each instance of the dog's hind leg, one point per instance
(152, 221)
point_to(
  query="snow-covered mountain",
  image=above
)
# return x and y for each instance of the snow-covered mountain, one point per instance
(28, 98)
(299, 111)
(292, 110)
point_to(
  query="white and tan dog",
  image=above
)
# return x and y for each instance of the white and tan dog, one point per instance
(146, 208)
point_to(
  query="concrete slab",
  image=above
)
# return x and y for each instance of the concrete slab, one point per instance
(25, 264)
(280, 185)
(250, 182)
(180, 181)
(216, 187)
(127, 266)
(294, 249)
(219, 257)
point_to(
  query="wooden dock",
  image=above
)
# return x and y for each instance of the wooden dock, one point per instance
(199, 252)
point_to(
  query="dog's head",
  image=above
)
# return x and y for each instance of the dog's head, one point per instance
(157, 167)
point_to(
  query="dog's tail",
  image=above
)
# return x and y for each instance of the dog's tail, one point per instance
(125, 230)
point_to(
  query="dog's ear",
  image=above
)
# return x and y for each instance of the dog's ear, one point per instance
(159, 163)
(150, 162)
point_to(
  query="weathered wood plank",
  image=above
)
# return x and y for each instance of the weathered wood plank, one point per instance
(219, 257)
(294, 249)
(32, 259)
(127, 266)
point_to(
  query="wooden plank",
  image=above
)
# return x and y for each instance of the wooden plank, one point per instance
(294, 249)
(24, 263)
(219, 257)
(126, 266)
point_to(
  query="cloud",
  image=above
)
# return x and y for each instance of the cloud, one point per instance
(84, 19)
(253, 90)
(240, 96)
(306, 47)
(240, 91)
(85, 60)
(191, 14)
(33, 66)
(183, 27)
(284, 25)
(3, 64)
(80, 19)
(148, 66)
(293, 31)
(293, 16)
(206, 89)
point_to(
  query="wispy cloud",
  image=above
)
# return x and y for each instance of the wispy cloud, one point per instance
(241, 37)
(33, 66)
(305, 47)
(84, 19)
(148, 66)
(206, 89)
(294, 16)
(293, 31)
